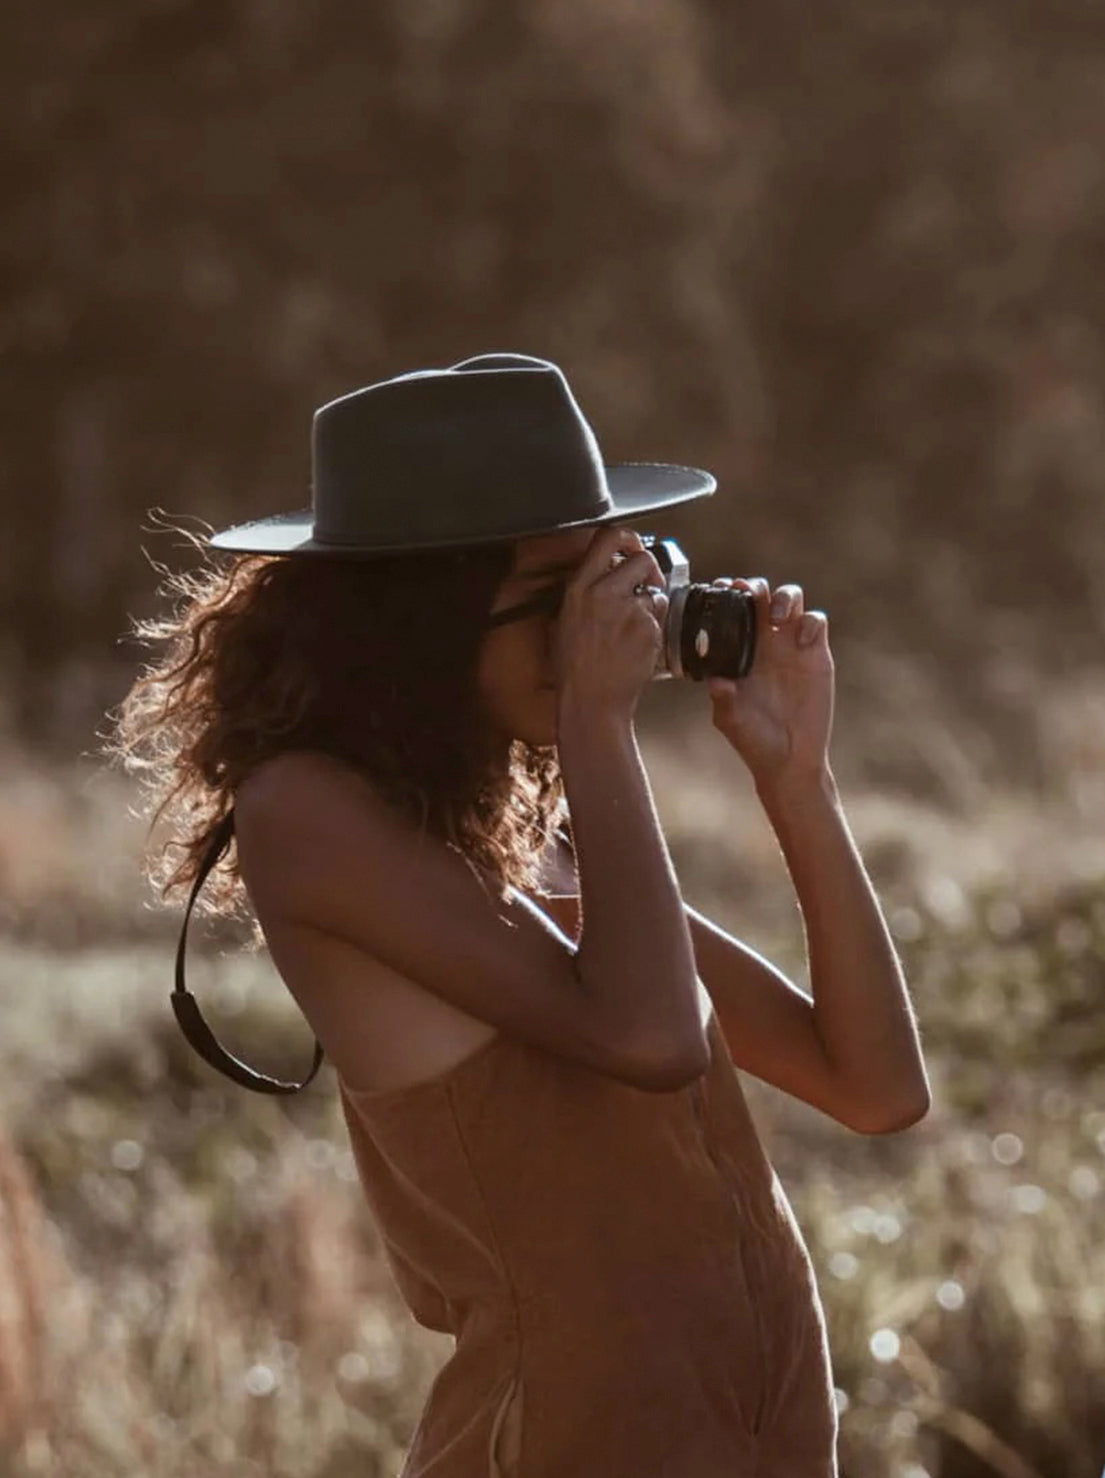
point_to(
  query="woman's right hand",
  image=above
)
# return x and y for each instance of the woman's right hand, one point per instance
(607, 640)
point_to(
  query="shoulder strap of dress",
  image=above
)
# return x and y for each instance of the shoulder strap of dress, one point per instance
(186, 1007)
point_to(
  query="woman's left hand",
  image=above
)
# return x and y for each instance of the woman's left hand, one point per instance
(779, 718)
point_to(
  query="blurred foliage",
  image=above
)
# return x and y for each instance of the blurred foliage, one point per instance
(850, 262)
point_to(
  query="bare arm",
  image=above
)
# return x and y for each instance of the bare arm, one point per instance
(635, 948)
(862, 1062)
(861, 1006)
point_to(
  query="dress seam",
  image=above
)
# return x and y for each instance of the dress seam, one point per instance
(514, 1306)
(705, 1131)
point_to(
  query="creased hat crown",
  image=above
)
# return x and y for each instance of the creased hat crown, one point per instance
(500, 433)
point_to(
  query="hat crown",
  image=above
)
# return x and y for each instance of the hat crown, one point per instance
(469, 451)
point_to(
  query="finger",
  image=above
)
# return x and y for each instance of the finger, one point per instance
(637, 569)
(760, 588)
(754, 585)
(604, 549)
(657, 604)
(812, 628)
(787, 604)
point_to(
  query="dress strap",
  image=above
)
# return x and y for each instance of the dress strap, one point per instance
(186, 1007)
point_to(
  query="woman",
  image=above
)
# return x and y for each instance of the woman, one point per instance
(418, 698)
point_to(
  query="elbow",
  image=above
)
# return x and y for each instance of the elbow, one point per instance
(669, 1070)
(893, 1121)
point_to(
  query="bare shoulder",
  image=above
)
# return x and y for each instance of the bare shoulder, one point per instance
(302, 806)
(296, 777)
(381, 1029)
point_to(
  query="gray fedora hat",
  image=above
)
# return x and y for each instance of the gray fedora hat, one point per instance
(489, 449)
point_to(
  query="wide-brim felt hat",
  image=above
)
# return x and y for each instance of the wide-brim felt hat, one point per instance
(490, 449)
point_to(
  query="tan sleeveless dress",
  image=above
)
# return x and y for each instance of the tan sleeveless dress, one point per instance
(623, 1273)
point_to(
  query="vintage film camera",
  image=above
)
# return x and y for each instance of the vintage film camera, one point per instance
(709, 631)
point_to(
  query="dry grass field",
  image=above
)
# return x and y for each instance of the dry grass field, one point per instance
(190, 1281)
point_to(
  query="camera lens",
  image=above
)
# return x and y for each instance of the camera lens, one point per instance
(718, 634)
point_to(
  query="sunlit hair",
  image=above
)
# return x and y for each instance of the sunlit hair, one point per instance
(372, 661)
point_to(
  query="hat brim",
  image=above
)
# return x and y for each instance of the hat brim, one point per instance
(635, 488)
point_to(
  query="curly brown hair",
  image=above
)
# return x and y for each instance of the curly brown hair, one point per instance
(370, 660)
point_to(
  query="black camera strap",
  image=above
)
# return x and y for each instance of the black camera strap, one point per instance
(186, 1007)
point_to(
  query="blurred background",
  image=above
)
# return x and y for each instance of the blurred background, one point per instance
(851, 261)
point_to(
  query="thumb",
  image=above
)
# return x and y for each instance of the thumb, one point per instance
(721, 687)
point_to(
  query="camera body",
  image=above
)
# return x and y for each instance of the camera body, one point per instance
(709, 630)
